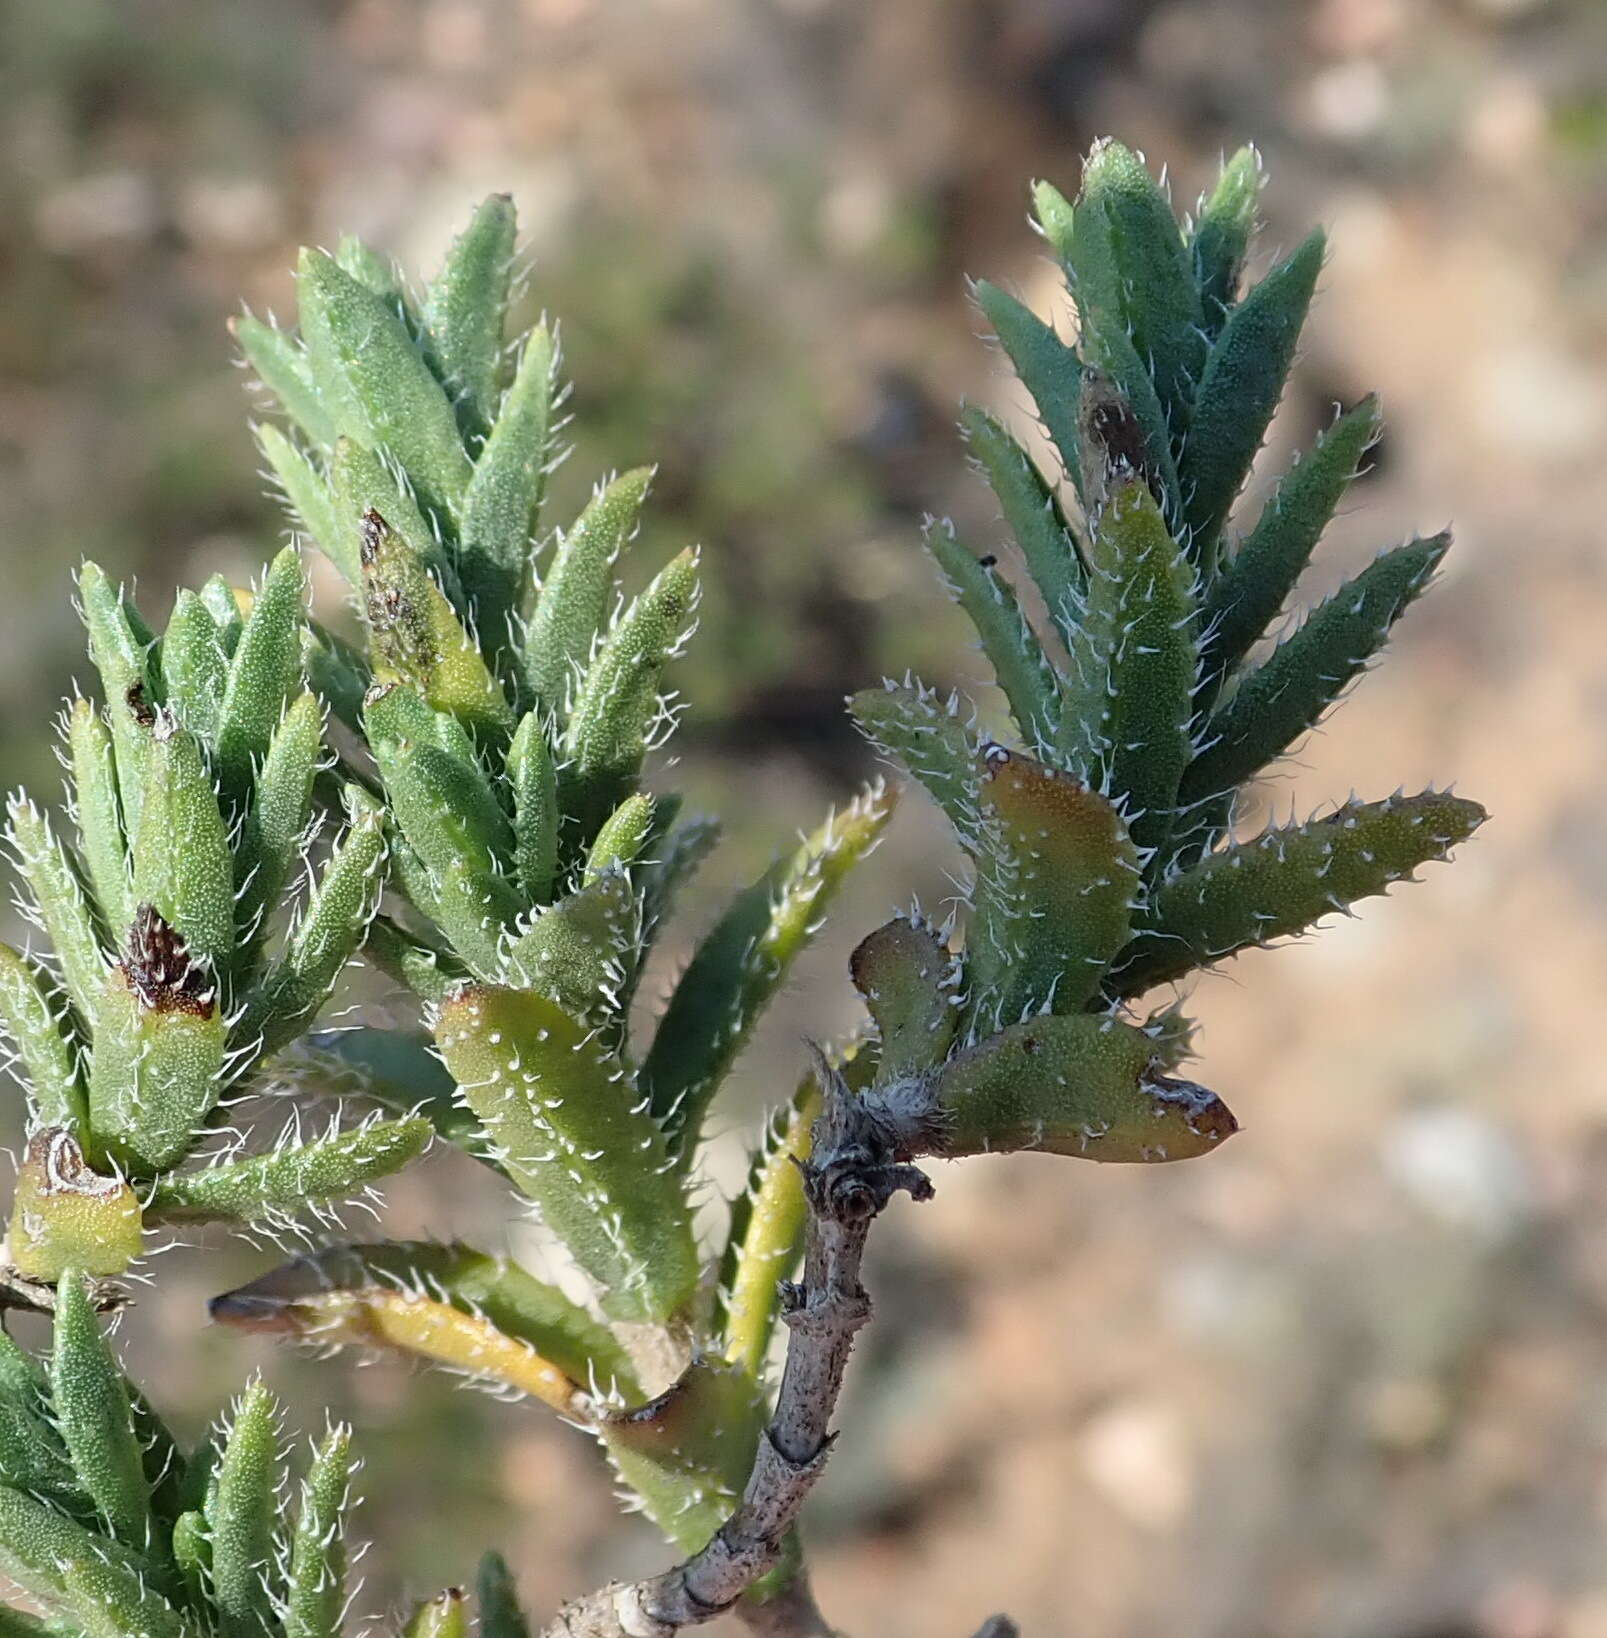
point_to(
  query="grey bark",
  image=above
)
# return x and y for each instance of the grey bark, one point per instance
(852, 1173)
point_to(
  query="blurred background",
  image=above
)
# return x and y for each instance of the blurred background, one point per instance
(1347, 1379)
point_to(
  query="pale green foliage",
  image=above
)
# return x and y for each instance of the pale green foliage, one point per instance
(508, 692)
(115, 1532)
(173, 975)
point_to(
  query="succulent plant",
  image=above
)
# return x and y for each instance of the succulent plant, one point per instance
(173, 977)
(491, 700)
(508, 694)
(1102, 842)
(113, 1531)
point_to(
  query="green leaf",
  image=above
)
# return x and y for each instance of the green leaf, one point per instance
(281, 365)
(1033, 515)
(264, 673)
(932, 738)
(224, 602)
(273, 837)
(396, 717)
(461, 843)
(59, 902)
(363, 482)
(1221, 238)
(572, 607)
(412, 962)
(37, 1544)
(1287, 878)
(445, 1303)
(32, 1455)
(1056, 877)
(1287, 695)
(581, 950)
(332, 1168)
(1252, 588)
(618, 704)
(439, 1617)
(911, 985)
(504, 495)
(384, 394)
(90, 1403)
(375, 272)
(121, 656)
(534, 782)
(498, 1598)
(157, 1068)
(1073, 1085)
(1008, 641)
(741, 963)
(183, 863)
(1049, 370)
(578, 1140)
(1130, 271)
(416, 638)
(395, 1068)
(1239, 390)
(688, 1453)
(619, 843)
(241, 1515)
(315, 1598)
(34, 1025)
(1134, 664)
(767, 1231)
(308, 499)
(195, 668)
(109, 1600)
(465, 310)
(673, 857)
(336, 672)
(325, 936)
(98, 809)
(64, 1215)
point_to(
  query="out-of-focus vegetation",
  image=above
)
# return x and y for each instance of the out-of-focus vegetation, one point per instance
(1345, 1377)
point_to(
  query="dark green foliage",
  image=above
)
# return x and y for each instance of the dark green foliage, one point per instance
(1101, 852)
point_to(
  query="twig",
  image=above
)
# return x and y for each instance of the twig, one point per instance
(849, 1178)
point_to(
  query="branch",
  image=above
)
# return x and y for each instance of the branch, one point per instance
(852, 1173)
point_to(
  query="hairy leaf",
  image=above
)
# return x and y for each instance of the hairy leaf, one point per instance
(1077, 1085)
(1287, 695)
(578, 1139)
(465, 309)
(33, 1025)
(1128, 709)
(1049, 370)
(377, 385)
(1221, 238)
(330, 1168)
(573, 604)
(315, 1599)
(59, 903)
(91, 1407)
(1057, 875)
(741, 963)
(1282, 881)
(504, 495)
(617, 705)
(448, 1304)
(1008, 641)
(1239, 390)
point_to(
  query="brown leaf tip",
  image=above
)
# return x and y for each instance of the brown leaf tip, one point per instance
(161, 970)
